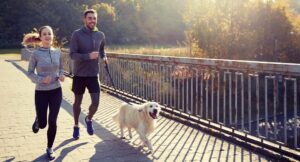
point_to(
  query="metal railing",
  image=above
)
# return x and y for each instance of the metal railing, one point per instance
(255, 98)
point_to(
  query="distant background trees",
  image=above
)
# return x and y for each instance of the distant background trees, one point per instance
(246, 29)
(266, 30)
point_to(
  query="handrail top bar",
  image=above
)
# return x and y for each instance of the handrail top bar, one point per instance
(251, 66)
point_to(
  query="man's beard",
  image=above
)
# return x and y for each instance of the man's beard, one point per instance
(91, 28)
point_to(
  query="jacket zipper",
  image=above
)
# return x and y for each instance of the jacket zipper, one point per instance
(50, 56)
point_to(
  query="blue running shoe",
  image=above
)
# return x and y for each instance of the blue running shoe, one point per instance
(76, 133)
(89, 126)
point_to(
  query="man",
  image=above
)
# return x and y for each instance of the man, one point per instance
(87, 45)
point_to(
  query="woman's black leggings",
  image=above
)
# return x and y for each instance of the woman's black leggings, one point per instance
(43, 99)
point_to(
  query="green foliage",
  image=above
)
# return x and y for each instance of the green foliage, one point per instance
(122, 21)
(250, 30)
(20, 18)
(266, 30)
(107, 19)
(295, 4)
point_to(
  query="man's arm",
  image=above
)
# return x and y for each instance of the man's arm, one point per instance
(74, 49)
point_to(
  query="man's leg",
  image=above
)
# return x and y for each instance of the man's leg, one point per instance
(94, 89)
(95, 97)
(78, 87)
(77, 108)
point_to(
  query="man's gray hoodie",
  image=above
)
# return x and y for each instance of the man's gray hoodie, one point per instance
(83, 42)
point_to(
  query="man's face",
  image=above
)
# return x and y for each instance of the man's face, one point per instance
(90, 21)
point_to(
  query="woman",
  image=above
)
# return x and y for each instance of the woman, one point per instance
(47, 62)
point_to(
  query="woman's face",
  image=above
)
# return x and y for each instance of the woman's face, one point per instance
(46, 36)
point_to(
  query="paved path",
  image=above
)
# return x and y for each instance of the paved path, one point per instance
(172, 141)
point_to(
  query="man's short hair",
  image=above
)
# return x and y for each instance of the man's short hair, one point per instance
(90, 11)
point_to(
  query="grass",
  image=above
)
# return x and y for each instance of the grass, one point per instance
(150, 50)
(132, 49)
(181, 51)
(10, 53)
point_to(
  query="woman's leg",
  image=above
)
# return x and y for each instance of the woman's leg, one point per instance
(41, 107)
(54, 106)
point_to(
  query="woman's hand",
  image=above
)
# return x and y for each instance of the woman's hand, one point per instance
(47, 80)
(61, 78)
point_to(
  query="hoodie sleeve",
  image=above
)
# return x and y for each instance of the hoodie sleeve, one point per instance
(74, 49)
(31, 68)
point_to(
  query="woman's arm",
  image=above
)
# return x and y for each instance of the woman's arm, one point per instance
(31, 68)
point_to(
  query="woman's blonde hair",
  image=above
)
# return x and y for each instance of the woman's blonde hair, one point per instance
(33, 38)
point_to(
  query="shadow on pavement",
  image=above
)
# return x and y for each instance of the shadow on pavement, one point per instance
(64, 152)
(111, 148)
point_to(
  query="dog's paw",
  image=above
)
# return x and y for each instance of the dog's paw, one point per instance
(150, 152)
(150, 148)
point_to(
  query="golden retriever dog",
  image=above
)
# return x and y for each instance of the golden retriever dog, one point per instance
(140, 117)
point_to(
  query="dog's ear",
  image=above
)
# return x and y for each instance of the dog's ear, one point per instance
(141, 109)
(144, 109)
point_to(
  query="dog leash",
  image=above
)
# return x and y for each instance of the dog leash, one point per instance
(113, 85)
(109, 75)
(116, 94)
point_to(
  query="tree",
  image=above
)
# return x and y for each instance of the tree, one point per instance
(107, 20)
(251, 30)
(123, 21)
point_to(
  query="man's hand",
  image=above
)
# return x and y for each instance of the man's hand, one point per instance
(47, 80)
(94, 55)
(105, 60)
(61, 78)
